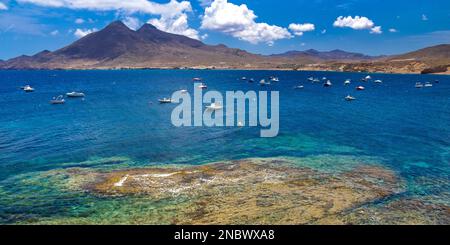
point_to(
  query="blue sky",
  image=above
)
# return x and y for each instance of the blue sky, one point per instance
(264, 26)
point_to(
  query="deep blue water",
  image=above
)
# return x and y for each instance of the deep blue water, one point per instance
(408, 128)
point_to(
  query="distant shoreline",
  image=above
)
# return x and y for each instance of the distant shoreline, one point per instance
(222, 69)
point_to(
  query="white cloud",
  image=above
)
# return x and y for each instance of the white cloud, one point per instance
(299, 29)
(83, 32)
(54, 33)
(357, 23)
(393, 30)
(205, 3)
(324, 31)
(239, 21)
(173, 17)
(3, 6)
(79, 21)
(178, 25)
(132, 23)
(376, 30)
(204, 36)
(424, 17)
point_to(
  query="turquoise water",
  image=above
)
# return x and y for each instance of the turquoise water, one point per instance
(120, 125)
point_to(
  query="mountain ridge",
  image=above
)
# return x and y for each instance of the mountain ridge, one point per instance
(118, 47)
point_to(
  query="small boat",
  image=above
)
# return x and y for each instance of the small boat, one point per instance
(299, 87)
(28, 89)
(197, 79)
(165, 101)
(347, 82)
(214, 107)
(350, 98)
(328, 84)
(378, 81)
(418, 85)
(366, 79)
(316, 80)
(360, 88)
(310, 79)
(202, 86)
(251, 80)
(324, 78)
(75, 95)
(58, 100)
(428, 85)
(274, 79)
(244, 78)
(183, 91)
(262, 82)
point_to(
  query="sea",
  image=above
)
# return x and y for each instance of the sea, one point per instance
(120, 124)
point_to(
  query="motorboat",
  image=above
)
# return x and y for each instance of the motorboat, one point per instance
(328, 84)
(202, 86)
(418, 85)
(360, 88)
(378, 81)
(28, 89)
(347, 82)
(310, 79)
(214, 107)
(299, 87)
(274, 79)
(197, 79)
(165, 101)
(251, 80)
(349, 98)
(75, 95)
(366, 79)
(58, 100)
(244, 78)
(324, 78)
(262, 82)
(316, 80)
(428, 85)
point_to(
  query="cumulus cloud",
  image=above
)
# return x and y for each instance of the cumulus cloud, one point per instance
(393, 30)
(239, 21)
(357, 23)
(299, 29)
(54, 33)
(376, 30)
(424, 17)
(132, 22)
(79, 21)
(83, 32)
(173, 17)
(205, 3)
(3, 6)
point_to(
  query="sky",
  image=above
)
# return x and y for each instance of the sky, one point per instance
(374, 27)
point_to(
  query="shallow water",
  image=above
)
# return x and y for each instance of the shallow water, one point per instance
(121, 125)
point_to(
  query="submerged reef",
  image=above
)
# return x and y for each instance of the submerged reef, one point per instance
(249, 191)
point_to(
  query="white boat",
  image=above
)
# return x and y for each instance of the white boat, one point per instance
(274, 79)
(299, 87)
(378, 81)
(324, 78)
(367, 78)
(165, 100)
(75, 95)
(196, 79)
(28, 89)
(183, 91)
(262, 82)
(419, 85)
(310, 79)
(360, 88)
(202, 86)
(347, 82)
(244, 78)
(316, 80)
(328, 84)
(428, 85)
(251, 80)
(350, 98)
(58, 100)
(214, 107)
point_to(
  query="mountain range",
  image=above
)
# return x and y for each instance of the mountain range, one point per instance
(118, 47)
